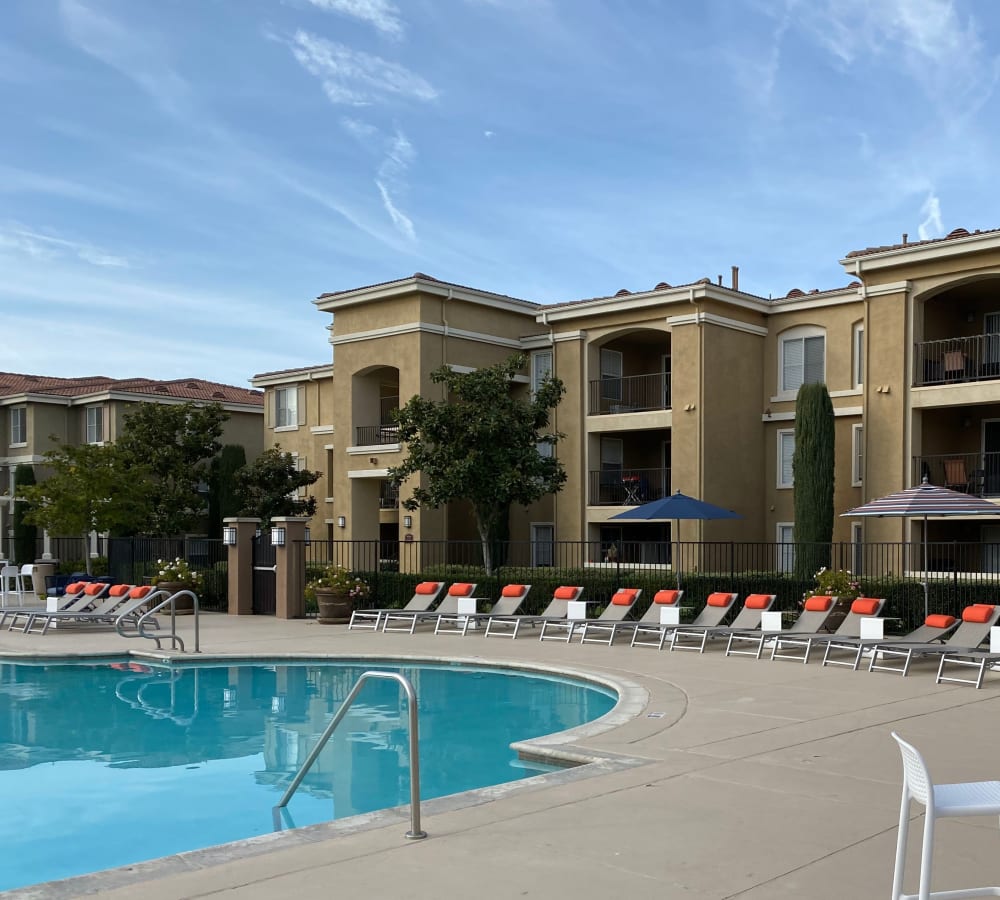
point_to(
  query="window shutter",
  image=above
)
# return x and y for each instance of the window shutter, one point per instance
(300, 405)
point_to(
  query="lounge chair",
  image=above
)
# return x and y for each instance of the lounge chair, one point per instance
(620, 606)
(92, 593)
(512, 596)
(509, 626)
(968, 634)
(717, 606)
(748, 619)
(850, 627)
(815, 614)
(72, 596)
(936, 627)
(424, 595)
(607, 632)
(407, 620)
(103, 613)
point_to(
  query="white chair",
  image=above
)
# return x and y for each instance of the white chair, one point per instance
(972, 798)
(10, 584)
(28, 579)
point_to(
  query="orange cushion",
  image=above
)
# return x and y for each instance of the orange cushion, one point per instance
(512, 590)
(75, 587)
(819, 604)
(758, 601)
(137, 593)
(427, 587)
(865, 606)
(624, 597)
(667, 597)
(937, 620)
(460, 589)
(119, 590)
(565, 593)
(980, 613)
(719, 599)
(95, 587)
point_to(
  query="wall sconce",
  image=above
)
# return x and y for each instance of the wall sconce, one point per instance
(341, 521)
(883, 389)
(277, 537)
(407, 521)
(229, 535)
(689, 407)
(373, 460)
(307, 536)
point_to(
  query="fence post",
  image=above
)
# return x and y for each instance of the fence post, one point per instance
(239, 569)
(290, 568)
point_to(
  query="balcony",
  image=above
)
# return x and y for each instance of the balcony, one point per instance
(957, 360)
(386, 432)
(388, 497)
(971, 473)
(630, 393)
(627, 487)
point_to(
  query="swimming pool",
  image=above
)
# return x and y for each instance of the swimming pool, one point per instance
(109, 763)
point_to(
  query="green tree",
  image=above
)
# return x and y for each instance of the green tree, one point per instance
(174, 444)
(269, 487)
(223, 500)
(481, 444)
(90, 488)
(812, 471)
(25, 534)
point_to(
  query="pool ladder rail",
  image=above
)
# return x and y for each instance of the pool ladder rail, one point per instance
(135, 628)
(415, 833)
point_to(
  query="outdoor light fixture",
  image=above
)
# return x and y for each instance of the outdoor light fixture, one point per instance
(229, 536)
(307, 536)
(277, 536)
(341, 521)
(407, 521)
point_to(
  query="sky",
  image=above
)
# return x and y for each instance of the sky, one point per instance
(179, 179)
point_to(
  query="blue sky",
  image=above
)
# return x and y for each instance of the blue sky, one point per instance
(179, 178)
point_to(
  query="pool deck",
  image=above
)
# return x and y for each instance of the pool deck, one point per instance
(723, 778)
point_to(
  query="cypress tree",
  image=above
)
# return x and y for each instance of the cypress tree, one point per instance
(222, 498)
(25, 535)
(812, 470)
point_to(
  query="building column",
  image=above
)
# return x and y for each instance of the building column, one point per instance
(240, 565)
(290, 567)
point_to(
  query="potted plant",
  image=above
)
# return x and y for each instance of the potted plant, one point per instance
(176, 575)
(335, 591)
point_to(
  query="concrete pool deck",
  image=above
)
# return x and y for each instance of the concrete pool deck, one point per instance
(752, 779)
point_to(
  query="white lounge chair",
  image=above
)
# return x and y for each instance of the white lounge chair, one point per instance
(509, 626)
(861, 608)
(424, 595)
(407, 620)
(602, 629)
(815, 614)
(717, 606)
(512, 596)
(748, 618)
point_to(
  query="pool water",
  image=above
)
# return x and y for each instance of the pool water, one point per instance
(107, 764)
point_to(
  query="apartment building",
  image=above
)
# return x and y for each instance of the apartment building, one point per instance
(677, 387)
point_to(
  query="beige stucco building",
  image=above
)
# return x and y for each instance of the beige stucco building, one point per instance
(689, 387)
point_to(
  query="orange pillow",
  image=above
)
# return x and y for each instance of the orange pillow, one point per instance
(667, 597)
(512, 590)
(979, 612)
(119, 590)
(624, 597)
(937, 620)
(819, 604)
(75, 587)
(865, 606)
(95, 587)
(565, 593)
(719, 599)
(758, 601)
(460, 589)
(137, 593)
(426, 587)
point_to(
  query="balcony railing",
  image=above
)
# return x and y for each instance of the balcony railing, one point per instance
(631, 393)
(372, 435)
(388, 495)
(628, 487)
(955, 360)
(971, 473)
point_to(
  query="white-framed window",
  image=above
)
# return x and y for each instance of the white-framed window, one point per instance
(543, 538)
(541, 368)
(18, 425)
(545, 448)
(786, 450)
(858, 361)
(286, 407)
(785, 536)
(95, 424)
(802, 358)
(857, 454)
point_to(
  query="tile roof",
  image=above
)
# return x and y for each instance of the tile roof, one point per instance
(294, 371)
(179, 388)
(422, 277)
(953, 235)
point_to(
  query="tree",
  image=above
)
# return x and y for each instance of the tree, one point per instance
(223, 500)
(269, 487)
(25, 534)
(91, 488)
(812, 471)
(481, 444)
(174, 443)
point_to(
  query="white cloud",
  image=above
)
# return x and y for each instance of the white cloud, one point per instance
(358, 129)
(399, 219)
(355, 78)
(932, 226)
(382, 14)
(488, 134)
(22, 241)
(390, 181)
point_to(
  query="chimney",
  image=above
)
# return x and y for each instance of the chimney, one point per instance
(736, 278)
(720, 280)
(905, 236)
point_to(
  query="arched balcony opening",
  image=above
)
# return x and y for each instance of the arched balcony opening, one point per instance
(633, 373)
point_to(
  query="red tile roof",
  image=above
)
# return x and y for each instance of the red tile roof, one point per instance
(951, 236)
(178, 389)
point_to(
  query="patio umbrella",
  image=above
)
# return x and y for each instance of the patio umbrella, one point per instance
(674, 508)
(923, 501)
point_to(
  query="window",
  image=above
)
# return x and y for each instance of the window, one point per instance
(19, 425)
(545, 448)
(302, 491)
(611, 375)
(859, 354)
(95, 424)
(858, 547)
(786, 546)
(802, 359)
(542, 544)
(786, 450)
(541, 368)
(857, 454)
(286, 414)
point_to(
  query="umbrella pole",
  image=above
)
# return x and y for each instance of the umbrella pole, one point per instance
(677, 567)
(926, 589)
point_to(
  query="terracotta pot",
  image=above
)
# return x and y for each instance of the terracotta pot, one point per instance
(335, 607)
(184, 605)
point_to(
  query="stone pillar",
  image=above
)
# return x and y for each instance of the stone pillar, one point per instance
(241, 565)
(290, 568)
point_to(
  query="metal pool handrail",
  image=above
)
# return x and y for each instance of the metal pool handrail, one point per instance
(415, 832)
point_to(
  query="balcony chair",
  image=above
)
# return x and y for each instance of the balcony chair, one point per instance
(956, 478)
(953, 365)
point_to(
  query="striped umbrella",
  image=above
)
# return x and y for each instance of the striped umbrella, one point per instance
(923, 501)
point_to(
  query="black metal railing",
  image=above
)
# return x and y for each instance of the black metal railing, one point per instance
(627, 487)
(388, 497)
(630, 393)
(955, 360)
(972, 473)
(376, 435)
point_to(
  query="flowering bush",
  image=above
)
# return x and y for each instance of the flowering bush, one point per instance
(177, 570)
(337, 578)
(835, 583)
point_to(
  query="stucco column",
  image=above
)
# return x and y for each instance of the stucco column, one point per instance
(290, 568)
(240, 565)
